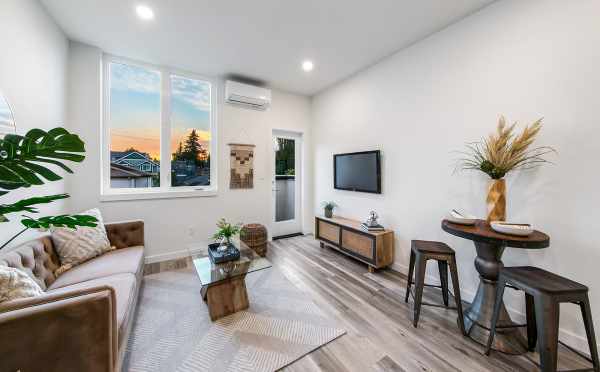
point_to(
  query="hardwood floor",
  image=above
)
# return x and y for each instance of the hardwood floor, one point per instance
(380, 333)
(370, 306)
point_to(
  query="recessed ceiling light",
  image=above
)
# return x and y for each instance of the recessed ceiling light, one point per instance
(307, 66)
(144, 12)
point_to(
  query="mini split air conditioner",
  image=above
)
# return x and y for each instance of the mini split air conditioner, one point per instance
(249, 96)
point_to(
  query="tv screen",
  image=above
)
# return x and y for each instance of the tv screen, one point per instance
(357, 171)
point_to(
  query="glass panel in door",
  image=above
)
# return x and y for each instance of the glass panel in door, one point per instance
(285, 179)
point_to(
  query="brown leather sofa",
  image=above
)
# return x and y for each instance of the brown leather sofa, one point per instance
(83, 321)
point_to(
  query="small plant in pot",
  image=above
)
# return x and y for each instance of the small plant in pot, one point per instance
(225, 232)
(328, 207)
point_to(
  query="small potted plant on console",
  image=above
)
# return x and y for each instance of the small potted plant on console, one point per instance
(328, 206)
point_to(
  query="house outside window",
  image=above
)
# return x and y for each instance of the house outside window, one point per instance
(158, 132)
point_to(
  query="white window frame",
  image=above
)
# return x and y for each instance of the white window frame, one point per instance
(165, 190)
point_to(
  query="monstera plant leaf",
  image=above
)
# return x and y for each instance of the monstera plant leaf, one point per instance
(20, 157)
(71, 221)
(27, 205)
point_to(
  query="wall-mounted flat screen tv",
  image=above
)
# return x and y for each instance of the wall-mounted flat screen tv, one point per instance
(358, 171)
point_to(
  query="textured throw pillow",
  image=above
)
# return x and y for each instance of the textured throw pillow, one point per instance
(75, 246)
(14, 284)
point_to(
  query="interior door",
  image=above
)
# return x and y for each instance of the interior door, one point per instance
(287, 184)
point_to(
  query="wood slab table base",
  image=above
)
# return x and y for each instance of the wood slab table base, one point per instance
(490, 246)
(226, 297)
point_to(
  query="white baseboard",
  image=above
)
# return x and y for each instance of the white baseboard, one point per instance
(174, 255)
(575, 341)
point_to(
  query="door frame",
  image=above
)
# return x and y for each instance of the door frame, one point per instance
(295, 226)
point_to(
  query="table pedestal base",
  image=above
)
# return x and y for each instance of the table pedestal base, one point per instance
(478, 320)
(226, 297)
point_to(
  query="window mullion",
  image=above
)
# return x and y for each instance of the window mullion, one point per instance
(165, 132)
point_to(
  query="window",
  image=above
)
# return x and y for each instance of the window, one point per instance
(190, 132)
(158, 132)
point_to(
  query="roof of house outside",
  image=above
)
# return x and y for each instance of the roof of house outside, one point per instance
(118, 155)
(121, 171)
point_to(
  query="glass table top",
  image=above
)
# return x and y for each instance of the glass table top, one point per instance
(210, 273)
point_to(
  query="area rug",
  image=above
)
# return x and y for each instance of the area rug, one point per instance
(173, 331)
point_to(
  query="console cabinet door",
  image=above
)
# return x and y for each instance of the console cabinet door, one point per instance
(329, 232)
(359, 244)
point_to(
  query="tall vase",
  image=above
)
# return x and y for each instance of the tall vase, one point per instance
(496, 201)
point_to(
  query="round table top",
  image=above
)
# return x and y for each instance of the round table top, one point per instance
(482, 232)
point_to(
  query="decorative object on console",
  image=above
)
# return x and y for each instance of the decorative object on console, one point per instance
(22, 158)
(461, 218)
(242, 166)
(365, 227)
(255, 236)
(501, 153)
(328, 207)
(371, 223)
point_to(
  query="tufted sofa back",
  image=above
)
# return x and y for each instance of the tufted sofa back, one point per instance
(37, 258)
(125, 234)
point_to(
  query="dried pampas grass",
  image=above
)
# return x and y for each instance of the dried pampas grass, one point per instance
(503, 151)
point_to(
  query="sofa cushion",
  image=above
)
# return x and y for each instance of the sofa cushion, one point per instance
(75, 246)
(14, 284)
(36, 258)
(125, 260)
(125, 286)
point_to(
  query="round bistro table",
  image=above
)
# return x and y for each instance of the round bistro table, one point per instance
(490, 246)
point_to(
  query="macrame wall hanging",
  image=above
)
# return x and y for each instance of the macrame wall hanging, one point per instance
(242, 166)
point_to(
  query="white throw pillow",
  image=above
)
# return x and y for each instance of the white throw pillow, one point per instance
(75, 246)
(14, 284)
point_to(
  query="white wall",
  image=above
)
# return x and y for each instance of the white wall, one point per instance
(33, 79)
(523, 59)
(168, 221)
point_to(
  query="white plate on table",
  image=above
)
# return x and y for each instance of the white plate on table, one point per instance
(512, 229)
(461, 218)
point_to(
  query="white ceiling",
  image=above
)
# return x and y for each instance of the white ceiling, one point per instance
(266, 40)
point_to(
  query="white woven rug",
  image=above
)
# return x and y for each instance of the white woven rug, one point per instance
(173, 331)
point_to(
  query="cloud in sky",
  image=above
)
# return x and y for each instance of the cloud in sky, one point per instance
(193, 92)
(143, 80)
(134, 79)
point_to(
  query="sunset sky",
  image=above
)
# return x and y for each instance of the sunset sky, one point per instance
(135, 109)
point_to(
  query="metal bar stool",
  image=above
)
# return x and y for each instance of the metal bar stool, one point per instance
(421, 251)
(544, 292)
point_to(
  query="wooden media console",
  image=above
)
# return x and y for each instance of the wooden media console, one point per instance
(375, 248)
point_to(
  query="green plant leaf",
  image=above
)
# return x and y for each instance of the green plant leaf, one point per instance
(71, 221)
(226, 229)
(20, 156)
(27, 205)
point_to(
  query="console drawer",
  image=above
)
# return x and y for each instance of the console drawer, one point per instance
(329, 232)
(360, 244)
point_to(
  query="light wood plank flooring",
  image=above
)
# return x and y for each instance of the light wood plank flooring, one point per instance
(370, 306)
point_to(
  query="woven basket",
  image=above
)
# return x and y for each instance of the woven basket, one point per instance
(255, 237)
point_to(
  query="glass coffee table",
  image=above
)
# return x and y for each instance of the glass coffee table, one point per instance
(224, 285)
